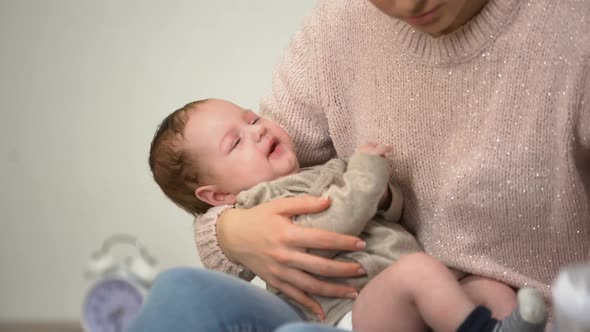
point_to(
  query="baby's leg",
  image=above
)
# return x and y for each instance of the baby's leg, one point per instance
(496, 296)
(418, 290)
(415, 291)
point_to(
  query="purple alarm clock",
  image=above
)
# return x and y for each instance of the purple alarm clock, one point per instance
(111, 304)
(119, 288)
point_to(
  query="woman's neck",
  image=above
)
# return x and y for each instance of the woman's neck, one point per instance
(469, 10)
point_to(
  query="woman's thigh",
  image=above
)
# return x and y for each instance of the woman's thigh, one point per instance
(187, 299)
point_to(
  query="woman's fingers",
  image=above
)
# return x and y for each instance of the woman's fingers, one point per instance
(300, 297)
(292, 206)
(311, 285)
(315, 238)
(305, 237)
(264, 240)
(323, 266)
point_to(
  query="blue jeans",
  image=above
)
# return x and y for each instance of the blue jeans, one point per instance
(307, 327)
(190, 300)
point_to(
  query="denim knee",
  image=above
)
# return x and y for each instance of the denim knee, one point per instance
(307, 327)
(189, 299)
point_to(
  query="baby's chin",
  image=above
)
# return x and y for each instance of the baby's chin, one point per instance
(293, 164)
(290, 168)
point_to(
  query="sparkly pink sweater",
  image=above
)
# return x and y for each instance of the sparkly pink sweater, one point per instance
(490, 126)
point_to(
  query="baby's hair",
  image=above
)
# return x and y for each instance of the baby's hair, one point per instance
(173, 168)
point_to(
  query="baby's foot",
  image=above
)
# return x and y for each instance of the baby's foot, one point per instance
(571, 298)
(529, 316)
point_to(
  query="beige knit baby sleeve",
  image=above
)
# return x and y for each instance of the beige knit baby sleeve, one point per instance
(355, 202)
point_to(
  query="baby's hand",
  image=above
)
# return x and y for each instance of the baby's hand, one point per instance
(375, 149)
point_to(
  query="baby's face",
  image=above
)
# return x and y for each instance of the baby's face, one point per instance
(235, 148)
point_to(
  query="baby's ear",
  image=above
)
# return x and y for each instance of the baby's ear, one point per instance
(213, 196)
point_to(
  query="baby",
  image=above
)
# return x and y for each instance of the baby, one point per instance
(212, 152)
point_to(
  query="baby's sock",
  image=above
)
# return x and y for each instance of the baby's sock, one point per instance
(529, 316)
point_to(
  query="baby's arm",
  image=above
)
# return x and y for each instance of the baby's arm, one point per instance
(355, 202)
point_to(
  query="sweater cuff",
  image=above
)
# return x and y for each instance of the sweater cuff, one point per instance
(210, 252)
(394, 212)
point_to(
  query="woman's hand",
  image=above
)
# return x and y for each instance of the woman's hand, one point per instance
(265, 240)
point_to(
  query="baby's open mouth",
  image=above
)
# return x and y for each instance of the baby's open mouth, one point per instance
(273, 146)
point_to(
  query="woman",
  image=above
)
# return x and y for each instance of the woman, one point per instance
(487, 104)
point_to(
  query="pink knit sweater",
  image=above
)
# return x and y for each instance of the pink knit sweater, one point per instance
(490, 125)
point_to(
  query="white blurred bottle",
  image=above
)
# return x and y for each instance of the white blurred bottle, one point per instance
(571, 299)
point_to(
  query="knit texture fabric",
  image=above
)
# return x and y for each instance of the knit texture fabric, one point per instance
(490, 126)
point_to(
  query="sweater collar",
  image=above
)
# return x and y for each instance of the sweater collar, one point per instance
(463, 43)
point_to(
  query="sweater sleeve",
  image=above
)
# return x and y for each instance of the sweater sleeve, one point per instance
(394, 212)
(355, 202)
(208, 247)
(295, 99)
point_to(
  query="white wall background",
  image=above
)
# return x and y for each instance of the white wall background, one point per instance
(83, 86)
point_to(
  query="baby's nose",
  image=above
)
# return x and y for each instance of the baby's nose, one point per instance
(257, 131)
